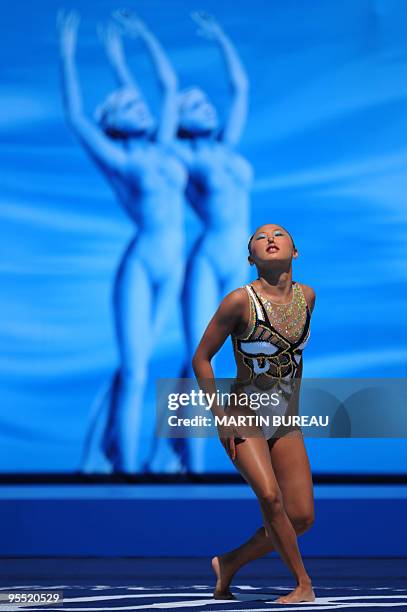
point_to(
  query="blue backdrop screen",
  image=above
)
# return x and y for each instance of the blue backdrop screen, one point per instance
(325, 136)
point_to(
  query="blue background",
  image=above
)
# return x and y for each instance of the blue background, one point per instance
(326, 135)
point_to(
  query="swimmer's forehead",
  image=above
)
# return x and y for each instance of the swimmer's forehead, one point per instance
(269, 226)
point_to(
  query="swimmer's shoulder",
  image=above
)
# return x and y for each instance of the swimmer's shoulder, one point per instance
(309, 294)
(236, 304)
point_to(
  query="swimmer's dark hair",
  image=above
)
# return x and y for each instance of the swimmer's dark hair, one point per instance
(252, 236)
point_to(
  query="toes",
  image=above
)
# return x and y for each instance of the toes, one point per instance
(283, 601)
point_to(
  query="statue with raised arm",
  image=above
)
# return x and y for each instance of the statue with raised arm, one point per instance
(219, 184)
(133, 151)
(218, 189)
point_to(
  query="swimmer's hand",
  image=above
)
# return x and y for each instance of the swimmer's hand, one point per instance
(227, 434)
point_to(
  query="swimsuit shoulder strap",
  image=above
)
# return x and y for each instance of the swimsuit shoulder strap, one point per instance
(252, 316)
(256, 302)
(302, 296)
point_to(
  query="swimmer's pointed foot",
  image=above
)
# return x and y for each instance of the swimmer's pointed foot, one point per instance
(303, 592)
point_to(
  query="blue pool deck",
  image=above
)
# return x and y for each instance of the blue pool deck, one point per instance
(187, 520)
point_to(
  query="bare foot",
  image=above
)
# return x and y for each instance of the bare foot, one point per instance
(303, 592)
(224, 574)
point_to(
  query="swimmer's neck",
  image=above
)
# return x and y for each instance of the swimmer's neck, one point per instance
(275, 283)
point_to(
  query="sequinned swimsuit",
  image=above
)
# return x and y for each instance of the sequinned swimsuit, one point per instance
(264, 353)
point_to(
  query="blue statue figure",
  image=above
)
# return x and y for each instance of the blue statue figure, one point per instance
(218, 189)
(134, 152)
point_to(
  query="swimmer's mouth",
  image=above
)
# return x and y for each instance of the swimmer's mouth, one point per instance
(272, 249)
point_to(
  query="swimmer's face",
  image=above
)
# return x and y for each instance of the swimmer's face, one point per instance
(271, 242)
(196, 114)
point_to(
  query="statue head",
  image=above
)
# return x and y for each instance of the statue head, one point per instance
(124, 113)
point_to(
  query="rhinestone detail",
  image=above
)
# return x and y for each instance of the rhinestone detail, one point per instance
(288, 319)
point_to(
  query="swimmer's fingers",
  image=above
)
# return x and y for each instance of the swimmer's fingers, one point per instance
(227, 437)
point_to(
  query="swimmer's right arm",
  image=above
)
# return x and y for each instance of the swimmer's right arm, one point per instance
(92, 137)
(228, 318)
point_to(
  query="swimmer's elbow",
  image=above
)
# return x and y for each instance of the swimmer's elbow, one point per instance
(200, 360)
(196, 361)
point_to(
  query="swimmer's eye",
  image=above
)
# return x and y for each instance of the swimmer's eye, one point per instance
(276, 233)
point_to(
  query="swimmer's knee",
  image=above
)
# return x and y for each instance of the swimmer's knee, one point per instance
(271, 499)
(303, 522)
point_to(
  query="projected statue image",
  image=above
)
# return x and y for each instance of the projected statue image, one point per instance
(218, 190)
(219, 182)
(132, 151)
